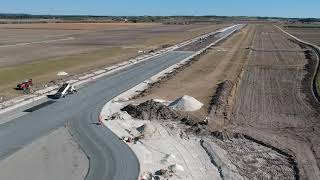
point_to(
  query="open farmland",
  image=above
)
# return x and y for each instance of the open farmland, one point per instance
(307, 33)
(275, 103)
(39, 51)
(30, 42)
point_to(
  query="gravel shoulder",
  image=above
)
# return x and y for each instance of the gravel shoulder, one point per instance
(55, 156)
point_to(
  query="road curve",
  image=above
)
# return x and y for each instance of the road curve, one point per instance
(109, 157)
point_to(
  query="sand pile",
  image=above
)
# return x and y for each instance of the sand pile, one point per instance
(151, 110)
(186, 103)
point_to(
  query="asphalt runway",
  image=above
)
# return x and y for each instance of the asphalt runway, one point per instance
(110, 158)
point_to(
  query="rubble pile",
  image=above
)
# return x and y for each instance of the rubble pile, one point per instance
(151, 110)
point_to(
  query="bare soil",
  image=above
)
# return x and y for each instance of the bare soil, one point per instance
(311, 35)
(271, 129)
(200, 77)
(151, 110)
(274, 103)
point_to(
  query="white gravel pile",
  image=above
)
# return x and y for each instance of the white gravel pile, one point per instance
(186, 103)
(62, 73)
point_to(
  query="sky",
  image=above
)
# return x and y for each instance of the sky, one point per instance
(271, 8)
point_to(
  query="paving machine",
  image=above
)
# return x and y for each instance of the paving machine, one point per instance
(64, 90)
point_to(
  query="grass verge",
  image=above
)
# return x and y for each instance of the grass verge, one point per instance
(45, 70)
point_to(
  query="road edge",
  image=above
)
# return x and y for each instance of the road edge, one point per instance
(126, 95)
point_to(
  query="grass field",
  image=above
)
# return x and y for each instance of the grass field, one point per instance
(93, 46)
(43, 71)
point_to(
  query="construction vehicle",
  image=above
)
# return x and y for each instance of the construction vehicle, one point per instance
(64, 90)
(24, 85)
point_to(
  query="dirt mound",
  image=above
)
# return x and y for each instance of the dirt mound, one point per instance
(219, 108)
(186, 103)
(219, 99)
(151, 110)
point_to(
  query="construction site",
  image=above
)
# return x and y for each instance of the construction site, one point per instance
(195, 98)
(259, 118)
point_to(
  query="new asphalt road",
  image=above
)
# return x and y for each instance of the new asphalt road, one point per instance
(109, 157)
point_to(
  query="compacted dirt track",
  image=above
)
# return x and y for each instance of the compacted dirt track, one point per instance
(274, 102)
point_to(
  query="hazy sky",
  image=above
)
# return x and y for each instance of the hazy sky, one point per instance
(280, 8)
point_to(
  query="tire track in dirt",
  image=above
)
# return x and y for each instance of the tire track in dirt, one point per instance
(274, 105)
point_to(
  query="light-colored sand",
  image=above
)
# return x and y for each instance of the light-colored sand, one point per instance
(52, 157)
(164, 145)
(186, 103)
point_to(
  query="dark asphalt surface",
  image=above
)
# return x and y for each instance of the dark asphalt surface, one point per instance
(198, 45)
(109, 157)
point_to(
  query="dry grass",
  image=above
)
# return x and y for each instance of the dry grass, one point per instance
(78, 26)
(174, 38)
(45, 70)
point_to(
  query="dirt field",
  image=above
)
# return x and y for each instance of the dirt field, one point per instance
(211, 79)
(311, 35)
(200, 79)
(275, 104)
(39, 51)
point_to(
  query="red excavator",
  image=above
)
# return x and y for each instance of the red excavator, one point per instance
(24, 85)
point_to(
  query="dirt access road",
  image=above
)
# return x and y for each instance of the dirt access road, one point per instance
(274, 102)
